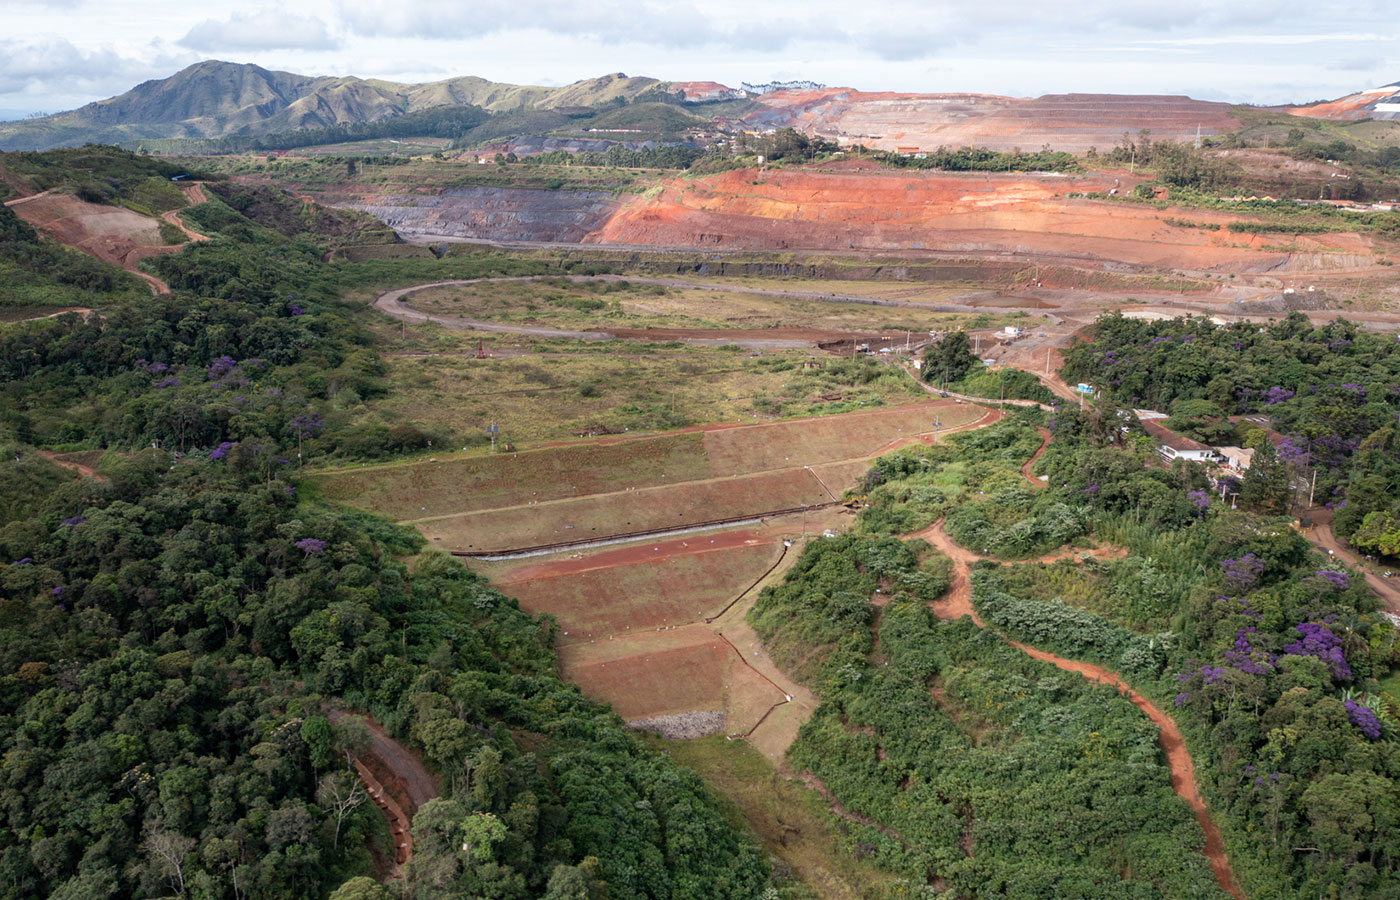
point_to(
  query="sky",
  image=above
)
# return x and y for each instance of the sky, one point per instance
(64, 53)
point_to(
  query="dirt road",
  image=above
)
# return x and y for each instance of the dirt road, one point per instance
(958, 603)
(85, 471)
(390, 304)
(1322, 537)
(1026, 469)
(396, 781)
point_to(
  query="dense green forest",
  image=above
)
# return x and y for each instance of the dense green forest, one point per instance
(176, 632)
(1333, 393)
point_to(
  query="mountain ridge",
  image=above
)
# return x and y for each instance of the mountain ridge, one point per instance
(213, 99)
(216, 99)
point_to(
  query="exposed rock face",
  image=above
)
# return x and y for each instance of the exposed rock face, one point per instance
(885, 211)
(498, 214)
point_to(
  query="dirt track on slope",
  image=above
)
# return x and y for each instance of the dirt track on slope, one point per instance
(1026, 468)
(83, 470)
(958, 603)
(1322, 537)
(397, 782)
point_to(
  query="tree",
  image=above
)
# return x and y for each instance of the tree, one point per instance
(167, 849)
(361, 888)
(316, 731)
(480, 833)
(340, 794)
(950, 359)
(1265, 487)
(1379, 533)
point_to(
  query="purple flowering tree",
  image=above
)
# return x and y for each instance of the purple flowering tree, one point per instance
(311, 546)
(1337, 580)
(1276, 394)
(1319, 642)
(1242, 573)
(1242, 654)
(1366, 712)
(1294, 449)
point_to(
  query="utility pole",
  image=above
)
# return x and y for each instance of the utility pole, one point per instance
(1312, 489)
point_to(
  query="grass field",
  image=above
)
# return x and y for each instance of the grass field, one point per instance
(547, 390)
(607, 515)
(792, 822)
(462, 483)
(564, 304)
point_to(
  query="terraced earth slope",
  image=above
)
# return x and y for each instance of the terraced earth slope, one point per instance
(885, 120)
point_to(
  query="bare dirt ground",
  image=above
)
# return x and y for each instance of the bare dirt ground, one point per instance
(84, 470)
(194, 195)
(396, 781)
(1026, 468)
(1322, 537)
(1031, 216)
(667, 656)
(887, 120)
(112, 234)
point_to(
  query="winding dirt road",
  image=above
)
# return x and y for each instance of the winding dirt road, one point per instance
(958, 603)
(390, 303)
(1322, 537)
(1026, 469)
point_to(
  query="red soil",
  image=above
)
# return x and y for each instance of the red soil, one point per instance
(1322, 537)
(624, 671)
(396, 781)
(898, 211)
(83, 470)
(1352, 106)
(643, 586)
(112, 234)
(1183, 771)
(703, 90)
(1026, 469)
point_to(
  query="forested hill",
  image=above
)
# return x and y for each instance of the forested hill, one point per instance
(215, 99)
(177, 629)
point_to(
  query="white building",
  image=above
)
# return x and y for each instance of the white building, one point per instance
(1174, 446)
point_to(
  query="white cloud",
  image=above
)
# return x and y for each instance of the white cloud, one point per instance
(1244, 50)
(266, 29)
(49, 64)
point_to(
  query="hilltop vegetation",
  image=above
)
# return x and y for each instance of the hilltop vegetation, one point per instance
(1268, 656)
(175, 634)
